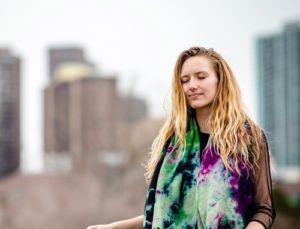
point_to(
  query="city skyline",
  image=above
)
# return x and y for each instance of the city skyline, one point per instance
(138, 41)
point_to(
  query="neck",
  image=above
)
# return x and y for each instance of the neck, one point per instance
(202, 116)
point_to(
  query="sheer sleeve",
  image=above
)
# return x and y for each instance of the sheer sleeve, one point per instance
(263, 200)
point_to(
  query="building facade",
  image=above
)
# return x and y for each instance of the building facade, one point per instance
(57, 56)
(9, 113)
(83, 115)
(79, 122)
(278, 61)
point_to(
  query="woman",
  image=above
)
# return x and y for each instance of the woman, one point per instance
(209, 165)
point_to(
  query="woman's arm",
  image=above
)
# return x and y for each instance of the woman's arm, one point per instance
(133, 223)
(264, 208)
(255, 225)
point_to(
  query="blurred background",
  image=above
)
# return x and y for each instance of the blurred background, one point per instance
(84, 90)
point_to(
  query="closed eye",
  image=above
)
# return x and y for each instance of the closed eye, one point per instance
(184, 80)
(201, 77)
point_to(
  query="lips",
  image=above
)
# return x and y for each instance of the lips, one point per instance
(194, 95)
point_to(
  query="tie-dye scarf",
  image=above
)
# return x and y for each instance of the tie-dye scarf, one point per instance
(188, 193)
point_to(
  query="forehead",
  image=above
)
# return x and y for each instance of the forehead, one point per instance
(195, 64)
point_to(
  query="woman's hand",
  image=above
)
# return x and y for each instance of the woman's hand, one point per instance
(133, 223)
(102, 226)
(254, 225)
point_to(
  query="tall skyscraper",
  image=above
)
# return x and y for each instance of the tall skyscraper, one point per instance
(279, 94)
(9, 112)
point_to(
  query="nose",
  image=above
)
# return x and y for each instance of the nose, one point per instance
(192, 84)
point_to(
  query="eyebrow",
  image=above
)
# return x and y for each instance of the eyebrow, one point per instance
(197, 73)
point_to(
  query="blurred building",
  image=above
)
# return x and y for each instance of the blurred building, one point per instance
(9, 112)
(279, 96)
(131, 109)
(80, 118)
(84, 115)
(58, 56)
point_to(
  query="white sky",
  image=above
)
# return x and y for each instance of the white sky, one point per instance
(136, 40)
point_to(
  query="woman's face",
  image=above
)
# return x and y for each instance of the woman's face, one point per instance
(199, 81)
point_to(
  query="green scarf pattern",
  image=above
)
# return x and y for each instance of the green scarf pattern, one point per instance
(186, 192)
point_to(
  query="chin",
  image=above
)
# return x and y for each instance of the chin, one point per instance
(197, 106)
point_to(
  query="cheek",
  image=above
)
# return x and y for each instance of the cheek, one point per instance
(212, 89)
(214, 85)
(184, 89)
(215, 88)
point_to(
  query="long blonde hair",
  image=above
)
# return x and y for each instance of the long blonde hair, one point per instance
(226, 122)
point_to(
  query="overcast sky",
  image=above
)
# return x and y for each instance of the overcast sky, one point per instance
(137, 41)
